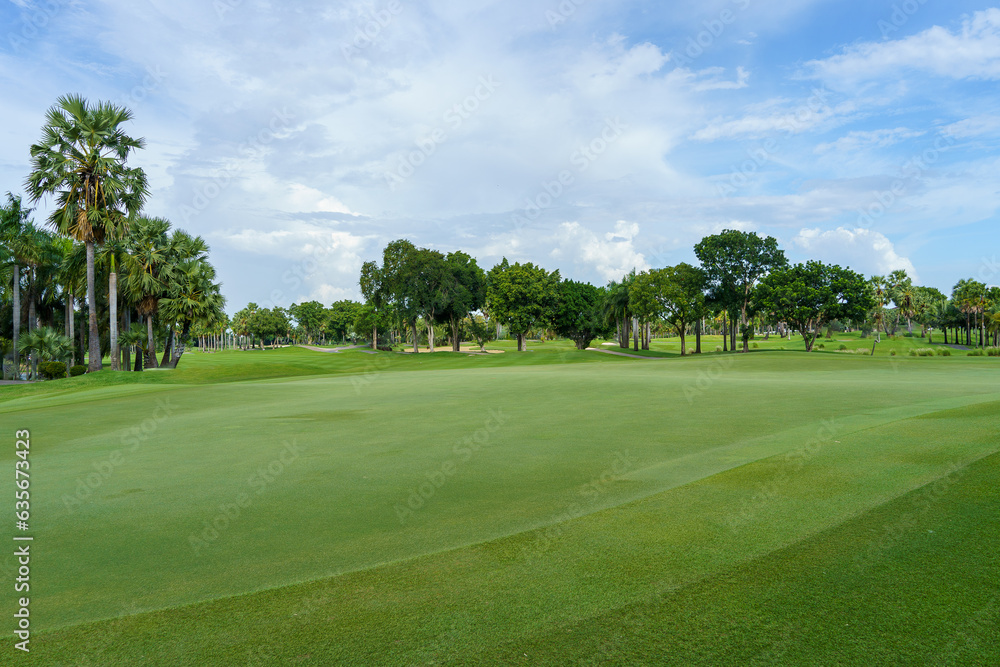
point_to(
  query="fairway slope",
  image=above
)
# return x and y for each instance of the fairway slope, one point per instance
(736, 566)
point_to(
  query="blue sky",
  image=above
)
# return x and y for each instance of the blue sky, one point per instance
(586, 135)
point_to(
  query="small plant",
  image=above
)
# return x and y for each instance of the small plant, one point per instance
(862, 350)
(718, 348)
(993, 352)
(756, 346)
(892, 353)
(821, 346)
(77, 370)
(943, 352)
(976, 353)
(842, 347)
(52, 369)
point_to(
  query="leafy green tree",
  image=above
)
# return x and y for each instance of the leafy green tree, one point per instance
(481, 330)
(81, 161)
(675, 294)
(461, 291)
(522, 296)
(192, 298)
(579, 313)
(311, 316)
(734, 263)
(47, 343)
(812, 294)
(340, 318)
(375, 288)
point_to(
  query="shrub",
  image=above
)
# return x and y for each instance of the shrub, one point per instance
(842, 347)
(892, 353)
(976, 353)
(755, 346)
(861, 350)
(79, 369)
(821, 346)
(993, 352)
(718, 348)
(52, 369)
(944, 352)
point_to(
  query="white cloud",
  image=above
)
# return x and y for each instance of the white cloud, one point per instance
(972, 52)
(611, 257)
(977, 126)
(864, 250)
(861, 140)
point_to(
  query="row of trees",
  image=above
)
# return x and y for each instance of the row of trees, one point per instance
(143, 282)
(744, 283)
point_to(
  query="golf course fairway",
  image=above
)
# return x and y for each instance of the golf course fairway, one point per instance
(553, 507)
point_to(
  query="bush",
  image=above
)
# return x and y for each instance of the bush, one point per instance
(842, 347)
(944, 352)
(755, 346)
(892, 353)
(52, 369)
(976, 353)
(718, 348)
(862, 350)
(77, 370)
(993, 352)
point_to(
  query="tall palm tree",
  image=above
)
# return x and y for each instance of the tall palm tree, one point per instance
(81, 161)
(193, 298)
(13, 223)
(146, 266)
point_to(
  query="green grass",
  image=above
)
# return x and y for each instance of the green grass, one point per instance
(770, 508)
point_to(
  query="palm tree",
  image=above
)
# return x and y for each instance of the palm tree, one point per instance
(134, 337)
(13, 222)
(193, 298)
(81, 161)
(46, 343)
(146, 266)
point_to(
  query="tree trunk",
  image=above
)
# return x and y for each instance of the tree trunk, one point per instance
(127, 350)
(374, 337)
(94, 336)
(456, 338)
(138, 361)
(17, 321)
(745, 324)
(32, 325)
(151, 343)
(168, 348)
(178, 347)
(635, 333)
(521, 346)
(413, 325)
(681, 329)
(113, 320)
(69, 328)
(430, 337)
(697, 337)
(725, 332)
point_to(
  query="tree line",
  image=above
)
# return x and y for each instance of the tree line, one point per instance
(133, 281)
(743, 285)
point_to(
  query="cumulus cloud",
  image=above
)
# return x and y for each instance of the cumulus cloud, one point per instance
(864, 250)
(611, 256)
(971, 52)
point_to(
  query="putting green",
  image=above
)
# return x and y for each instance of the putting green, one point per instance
(456, 509)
